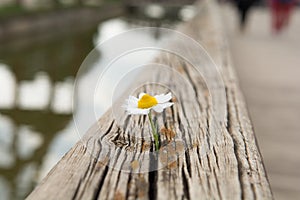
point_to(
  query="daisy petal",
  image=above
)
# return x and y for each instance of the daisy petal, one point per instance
(131, 102)
(158, 108)
(133, 98)
(166, 105)
(163, 98)
(137, 111)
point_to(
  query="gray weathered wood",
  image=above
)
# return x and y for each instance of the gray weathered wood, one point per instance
(228, 167)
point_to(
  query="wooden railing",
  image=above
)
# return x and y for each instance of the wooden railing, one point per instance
(231, 169)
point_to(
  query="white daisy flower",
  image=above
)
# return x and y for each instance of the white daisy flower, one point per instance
(146, 102)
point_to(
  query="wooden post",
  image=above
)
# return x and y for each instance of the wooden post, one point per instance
(232, 169)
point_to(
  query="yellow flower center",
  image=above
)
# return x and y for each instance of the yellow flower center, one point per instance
(147, 101)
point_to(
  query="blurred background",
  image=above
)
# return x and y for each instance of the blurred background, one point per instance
(44, 42)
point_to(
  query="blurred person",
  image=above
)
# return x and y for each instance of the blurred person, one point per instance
(243, 7)
(281, 11)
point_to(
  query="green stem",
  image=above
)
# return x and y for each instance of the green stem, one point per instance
(154, 132)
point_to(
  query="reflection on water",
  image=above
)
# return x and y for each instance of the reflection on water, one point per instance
(36, 85)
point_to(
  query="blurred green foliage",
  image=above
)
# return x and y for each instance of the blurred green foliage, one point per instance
(10, 10)
(15, 9)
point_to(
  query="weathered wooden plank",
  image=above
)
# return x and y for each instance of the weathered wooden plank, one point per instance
(205, 159)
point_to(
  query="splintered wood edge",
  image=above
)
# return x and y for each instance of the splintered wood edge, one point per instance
(232, 169)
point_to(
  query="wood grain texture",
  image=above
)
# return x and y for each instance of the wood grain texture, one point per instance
(190, 165)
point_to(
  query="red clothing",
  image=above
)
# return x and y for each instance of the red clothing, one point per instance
(281, 10)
